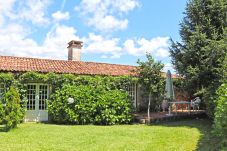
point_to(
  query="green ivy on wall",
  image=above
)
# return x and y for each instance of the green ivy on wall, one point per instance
(7, 79)
(99, 85)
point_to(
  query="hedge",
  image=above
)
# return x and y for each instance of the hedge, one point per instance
(92, 105)
(220, 119)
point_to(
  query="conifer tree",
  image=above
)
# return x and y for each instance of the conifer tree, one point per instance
(199, 56)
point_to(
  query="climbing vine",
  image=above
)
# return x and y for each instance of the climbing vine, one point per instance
(56, 81)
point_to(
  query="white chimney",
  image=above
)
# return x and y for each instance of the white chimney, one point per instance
(74, 50)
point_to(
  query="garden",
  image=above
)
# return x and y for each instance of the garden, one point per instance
(187, 135)
(92, 112)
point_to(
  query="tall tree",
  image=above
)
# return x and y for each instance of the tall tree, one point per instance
(199, 57)
(150, 77)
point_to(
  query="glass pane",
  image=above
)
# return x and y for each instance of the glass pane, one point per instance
(31, 92)
(43, 90)
(131, 91)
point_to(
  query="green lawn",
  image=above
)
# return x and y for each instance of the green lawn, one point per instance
(185, 135)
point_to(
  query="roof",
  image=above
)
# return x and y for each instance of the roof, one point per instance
(175, 76)
(22, 64)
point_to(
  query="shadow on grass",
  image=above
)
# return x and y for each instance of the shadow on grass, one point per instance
(207, 141)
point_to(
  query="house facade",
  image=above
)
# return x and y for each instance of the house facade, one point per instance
(38, 93)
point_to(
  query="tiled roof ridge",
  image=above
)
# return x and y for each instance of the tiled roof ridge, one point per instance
(22, 64)
(50, 59)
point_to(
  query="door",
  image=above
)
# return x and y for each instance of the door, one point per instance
(37, 95)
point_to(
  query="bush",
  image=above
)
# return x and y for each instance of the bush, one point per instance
(113, 107)
(2, 112)
(221, 113)
(92, 105)
(12, 113)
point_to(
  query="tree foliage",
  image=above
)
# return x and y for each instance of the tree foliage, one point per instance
(150, 77)
(199, 57)
(220, 120)
(10, 109)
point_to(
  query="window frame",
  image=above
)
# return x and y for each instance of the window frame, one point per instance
(132, 92)
(44, 102)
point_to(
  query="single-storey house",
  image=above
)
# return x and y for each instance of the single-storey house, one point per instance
(37, 93)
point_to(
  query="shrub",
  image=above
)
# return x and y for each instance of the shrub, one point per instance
(12, 113)
(7, 79)
(112, 107)
(2, 112)
(221, 113)
(92, 105)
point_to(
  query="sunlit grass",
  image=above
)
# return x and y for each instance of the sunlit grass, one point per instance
(176, 136)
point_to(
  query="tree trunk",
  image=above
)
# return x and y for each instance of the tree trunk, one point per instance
(148, 109)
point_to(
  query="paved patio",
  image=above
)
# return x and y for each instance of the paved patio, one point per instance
(164, 116)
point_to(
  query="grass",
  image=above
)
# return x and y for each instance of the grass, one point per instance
(185, 135)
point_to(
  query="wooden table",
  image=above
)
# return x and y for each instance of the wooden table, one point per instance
(180, 102)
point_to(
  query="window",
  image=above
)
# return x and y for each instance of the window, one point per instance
(43, 96)
(31, 93)
(132, 92)
(37, 95)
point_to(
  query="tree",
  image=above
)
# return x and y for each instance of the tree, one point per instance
(12, 108)
(150, 77)
(199, 57)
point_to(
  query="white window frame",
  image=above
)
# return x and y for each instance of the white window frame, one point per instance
(37, 97)
(31, 104)
(132, 91)
(44, 104)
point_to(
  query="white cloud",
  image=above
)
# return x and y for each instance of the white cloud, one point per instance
(5, 10)
(107, 23)
(34, 11)
(129, 46)
(25, 10)
(58, 16)
(169, 66)
(104, 56)
(162, 52)
(106, 15)
(157, 46)
(13, 41)
(111, 48)
(6, 6)
(125, 5)
(56, 41)
(1, 21)
(14, 30)
(54, 46)
(15, 35)
(98, 44)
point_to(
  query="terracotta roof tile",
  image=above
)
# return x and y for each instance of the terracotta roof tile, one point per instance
(22, 64)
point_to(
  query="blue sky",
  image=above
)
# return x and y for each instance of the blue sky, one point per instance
(113, 31)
